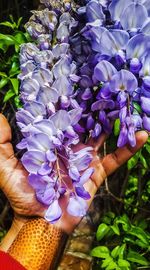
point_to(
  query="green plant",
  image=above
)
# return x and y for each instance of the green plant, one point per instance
(127, 244)
(123, 238)
(11, 37)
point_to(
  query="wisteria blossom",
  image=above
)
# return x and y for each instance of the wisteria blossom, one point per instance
(89, 65)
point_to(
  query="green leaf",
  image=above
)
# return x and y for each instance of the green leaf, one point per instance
(139, 233)
(9, 24)
(19, 22)
(122, 251)
(3, 74)
(106, 262)
(117, 127)
(100, 252)
(10, 93)
(132, 162)
(123, 263)
(17, 102)
(15, 84)
(111, 266)
(17, 48)
(115, 229)
(141, 244)
(129, 239)
(143, 162)
(147, 147)
(102, 230)
(108, 217)
(20, 38)
(11, 18)
(137, 108)
(135, 257)
(124, 220)
(7, 39)
(3, 46)
(115, 252)
(14, 69)
(3, 82)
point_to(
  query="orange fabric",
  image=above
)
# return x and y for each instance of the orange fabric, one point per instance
(8, 263)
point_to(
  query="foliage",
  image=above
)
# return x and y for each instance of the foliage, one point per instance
(123, 238)
(126, 243)
(11, 37)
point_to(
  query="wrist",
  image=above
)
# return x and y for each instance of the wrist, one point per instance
(11, 235)
(37, 244)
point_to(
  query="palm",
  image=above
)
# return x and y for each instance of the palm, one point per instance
(13, 177)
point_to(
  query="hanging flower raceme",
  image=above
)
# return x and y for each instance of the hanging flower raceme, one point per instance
(50, 114)
(88, 67)
(115, 66)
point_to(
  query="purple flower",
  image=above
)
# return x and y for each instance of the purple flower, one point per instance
(136, 46)
(145, 70)
(146, 122)
(77, 206)
(104, 71)
(35, 161)
(146, 86)
(53, 212)
(94, 11)
(146, 27)
(123, 81)
(130, 17)
(123, 135)
(135, 65)
(116, 8)
(145, 104)
(79, 78)
(81, 159)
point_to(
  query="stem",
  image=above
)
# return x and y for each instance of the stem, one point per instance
(57, 166)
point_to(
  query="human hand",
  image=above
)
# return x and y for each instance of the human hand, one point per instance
(14, 183)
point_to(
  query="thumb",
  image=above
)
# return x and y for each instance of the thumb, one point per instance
(5, 130)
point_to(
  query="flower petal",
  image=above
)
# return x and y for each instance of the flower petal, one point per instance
(54, 212)
(81, 192)
(86, 175)
(104, 71)
(77, 207)
(32, 160)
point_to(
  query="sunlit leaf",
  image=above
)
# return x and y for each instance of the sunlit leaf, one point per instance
(15, 84)
(10, 93)
(115, 252)
(102, 230)
(133, 161)
(3, 82)
(135, 257)
(100, 252)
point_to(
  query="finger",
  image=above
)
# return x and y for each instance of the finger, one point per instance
(114, 160)
(5, 130)
(97, 143)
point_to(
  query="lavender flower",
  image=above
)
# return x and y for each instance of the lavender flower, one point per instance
(88, 68)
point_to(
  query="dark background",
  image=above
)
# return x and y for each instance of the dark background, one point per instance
(17, 8)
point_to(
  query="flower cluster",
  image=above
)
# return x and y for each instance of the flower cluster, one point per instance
(115, 67)
(50, 115)
(89, 66)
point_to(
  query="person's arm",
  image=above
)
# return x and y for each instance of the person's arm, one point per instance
(37, 243)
